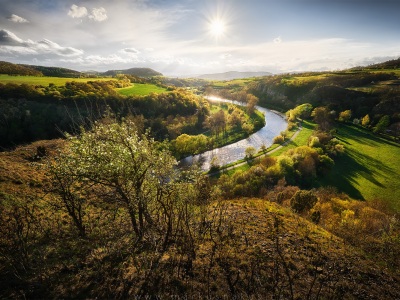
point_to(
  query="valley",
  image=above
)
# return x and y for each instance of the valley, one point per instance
(89, 192)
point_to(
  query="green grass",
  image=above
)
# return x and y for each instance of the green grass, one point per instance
(233, 83)
(141, 89)
(376, 86)
(394, 71)
(300, 140)
(369, 169)
(44, 80)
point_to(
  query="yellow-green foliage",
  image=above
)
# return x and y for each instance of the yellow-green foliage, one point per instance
(141, 89)
(45, 81)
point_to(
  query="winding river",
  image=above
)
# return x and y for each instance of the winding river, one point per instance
(274, 124)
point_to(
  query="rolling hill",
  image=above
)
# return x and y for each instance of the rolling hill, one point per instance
(233, 75)
(141, 72)
(14, 69)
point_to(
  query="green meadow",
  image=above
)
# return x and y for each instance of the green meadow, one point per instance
(370, 168)
(45, 80)
(301, 139)
(232, 83)
(141, 89)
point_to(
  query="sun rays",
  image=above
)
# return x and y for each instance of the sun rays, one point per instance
(217, 28)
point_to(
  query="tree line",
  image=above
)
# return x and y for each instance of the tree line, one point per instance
(32, 113)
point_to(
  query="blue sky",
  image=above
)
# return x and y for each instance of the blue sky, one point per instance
(174, 36)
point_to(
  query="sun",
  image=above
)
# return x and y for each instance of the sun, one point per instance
(217, 28)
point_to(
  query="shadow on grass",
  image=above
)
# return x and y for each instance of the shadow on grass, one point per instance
(351, 166)
(360, 135)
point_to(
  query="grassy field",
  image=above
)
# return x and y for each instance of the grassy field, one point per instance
(44, 80)
(141, 89)
(369, 170)
(300, 140)
(233, 83)
(299, 80)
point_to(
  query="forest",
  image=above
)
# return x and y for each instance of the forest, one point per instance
(94, 206)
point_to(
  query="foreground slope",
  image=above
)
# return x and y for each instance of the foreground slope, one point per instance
(247, 248)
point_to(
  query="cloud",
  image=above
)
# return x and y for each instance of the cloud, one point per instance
(98, 14)
(47, 46)
(130, 51)
(17, 19)
(9, 39)
(12, 44)
(77, 11)
(277, 40)
(99, 60)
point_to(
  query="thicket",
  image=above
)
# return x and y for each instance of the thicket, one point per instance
(32, 113)
(110, 217)
(337, 91)
(13, 69)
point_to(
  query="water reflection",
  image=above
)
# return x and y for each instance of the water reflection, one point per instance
(274, 124)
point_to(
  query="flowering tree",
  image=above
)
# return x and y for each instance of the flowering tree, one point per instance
(116, 166)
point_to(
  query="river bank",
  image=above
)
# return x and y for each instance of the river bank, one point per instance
(274, 124)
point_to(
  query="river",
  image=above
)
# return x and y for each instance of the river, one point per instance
(274, 124)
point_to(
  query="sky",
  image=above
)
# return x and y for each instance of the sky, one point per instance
(192, 37)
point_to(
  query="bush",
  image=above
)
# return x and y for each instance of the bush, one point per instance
(278, 139)
(303, 200)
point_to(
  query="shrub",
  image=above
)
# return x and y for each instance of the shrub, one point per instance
(303, 200)
(278, 139)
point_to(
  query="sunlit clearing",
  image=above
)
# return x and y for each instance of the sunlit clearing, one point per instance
(217, 28)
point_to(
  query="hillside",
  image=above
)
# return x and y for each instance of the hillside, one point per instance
(14, 69)
(32, 70)
(391, 64)
(233, 75)
(249, 248)
(106, 213)
(55, 71)
(140, 72)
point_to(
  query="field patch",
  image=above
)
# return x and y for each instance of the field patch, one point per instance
(45, 81)
(369, 169)
(141, 89)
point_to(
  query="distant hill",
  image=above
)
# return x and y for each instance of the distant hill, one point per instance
(55, 71)
(14, 69)
(141, 72)
(91, 72)
(390, 64)
(31, 70)
(233, 75)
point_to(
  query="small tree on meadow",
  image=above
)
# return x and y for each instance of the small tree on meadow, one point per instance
(250, 152)
(345, 116)
(382, 124)
(365, 121)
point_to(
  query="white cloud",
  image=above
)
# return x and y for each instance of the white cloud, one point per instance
(17, 19)
(100, 60)
(9, 39)
(77, 11)
(130, 51)
(48, 46)
(98, 14)
(10, 43)
(278, 40)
